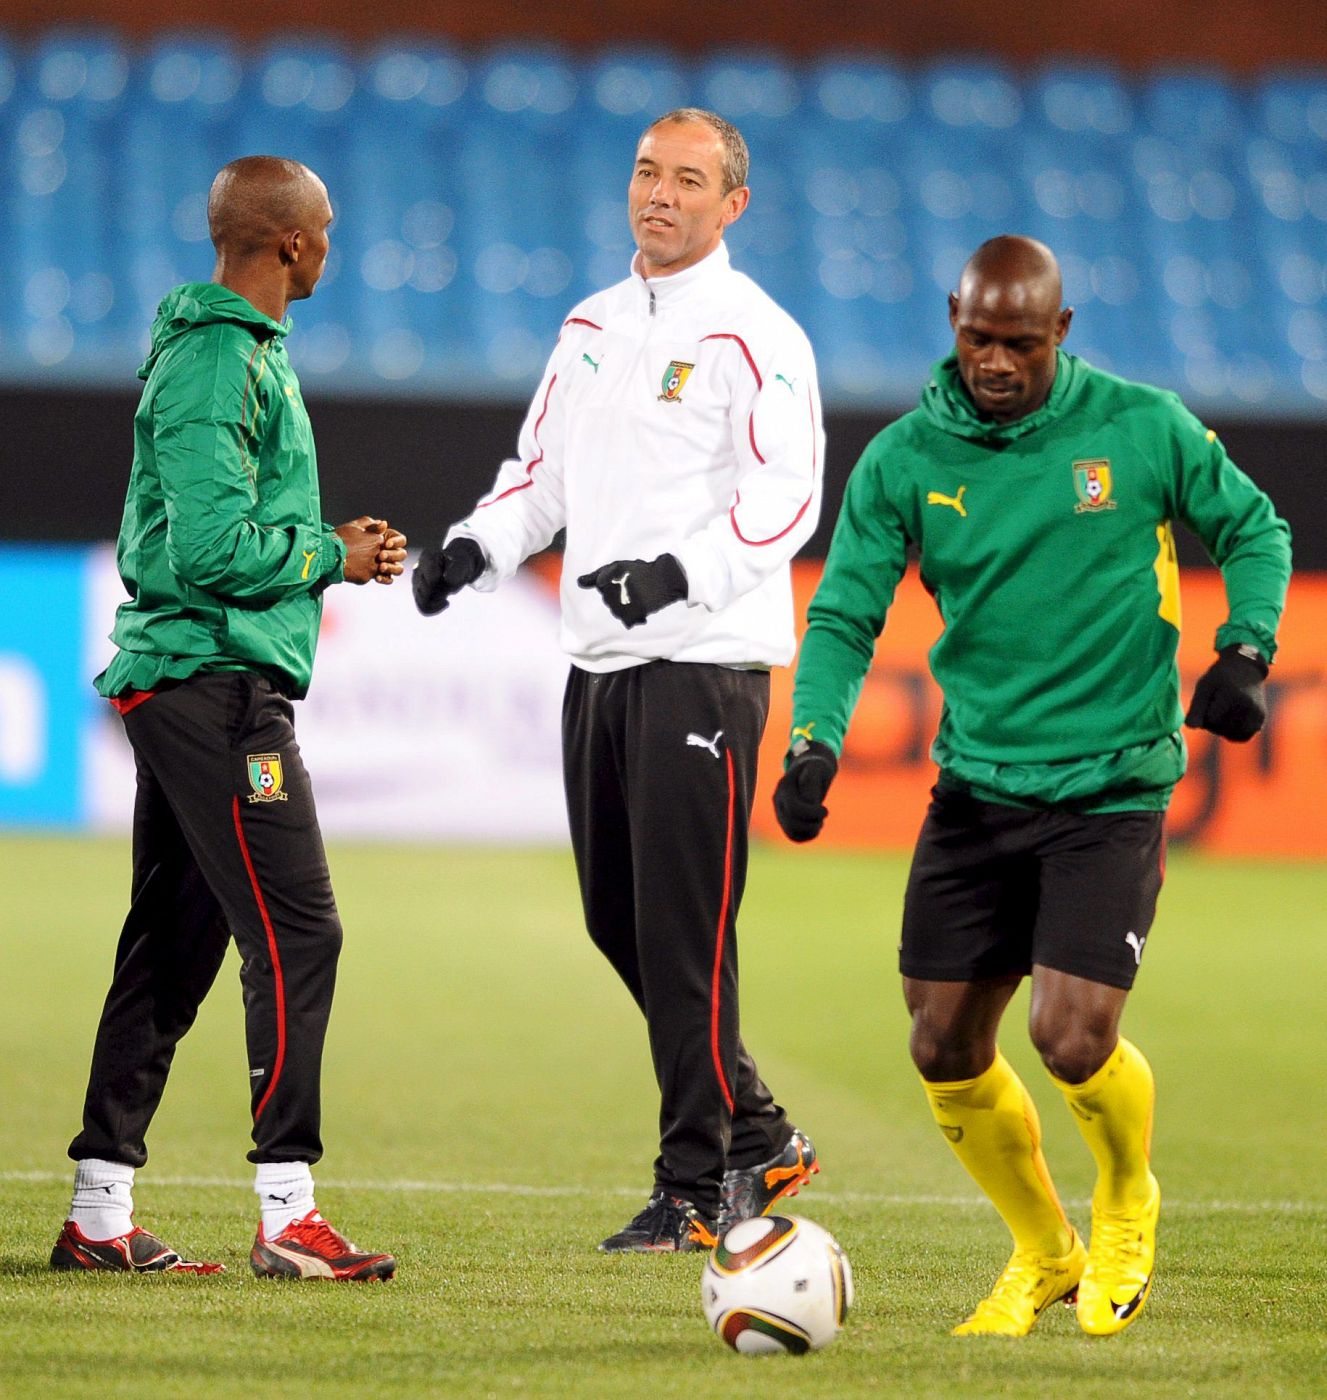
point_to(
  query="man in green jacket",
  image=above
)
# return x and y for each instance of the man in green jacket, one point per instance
(225, 558)
(1040, 494)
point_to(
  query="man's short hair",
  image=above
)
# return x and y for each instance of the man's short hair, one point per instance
(256, 199)
(736, 163)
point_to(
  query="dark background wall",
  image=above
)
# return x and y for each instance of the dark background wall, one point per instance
(64, 459)
(1239, 36)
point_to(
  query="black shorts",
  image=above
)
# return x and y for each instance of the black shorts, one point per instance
(995, 889)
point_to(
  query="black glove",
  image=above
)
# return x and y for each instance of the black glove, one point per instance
(799, 799)
(632, 589)
(442, 572)
(1228, 698)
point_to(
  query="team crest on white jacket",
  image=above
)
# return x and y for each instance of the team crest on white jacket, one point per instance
(675, 376)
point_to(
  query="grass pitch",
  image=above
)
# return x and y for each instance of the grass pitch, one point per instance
(489, 1114)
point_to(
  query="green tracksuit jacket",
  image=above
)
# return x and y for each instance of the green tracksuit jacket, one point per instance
(222, 547)
(1047, 544)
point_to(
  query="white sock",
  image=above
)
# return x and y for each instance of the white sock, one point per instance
(285, 1192)
(103, 1204)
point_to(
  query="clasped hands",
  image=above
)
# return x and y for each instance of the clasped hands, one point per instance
(374, 550)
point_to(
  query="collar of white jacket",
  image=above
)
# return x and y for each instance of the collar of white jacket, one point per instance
(676, 285)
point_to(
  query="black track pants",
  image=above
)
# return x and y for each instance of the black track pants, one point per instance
(226, 844)
(660, 768)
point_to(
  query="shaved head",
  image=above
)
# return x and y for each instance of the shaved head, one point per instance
(1016, 273)
(257, 200)
(269, 219)
(1008, 325)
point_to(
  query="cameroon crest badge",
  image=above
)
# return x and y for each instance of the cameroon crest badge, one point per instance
(265, 777)
(675, 376)
(1092, 481)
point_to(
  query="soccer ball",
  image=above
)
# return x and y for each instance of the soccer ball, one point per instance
(775, 1284)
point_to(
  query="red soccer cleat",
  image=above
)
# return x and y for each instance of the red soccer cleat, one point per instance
(311, 1248)
(138, 1252)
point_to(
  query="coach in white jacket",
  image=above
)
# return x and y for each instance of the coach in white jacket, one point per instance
(676, 435)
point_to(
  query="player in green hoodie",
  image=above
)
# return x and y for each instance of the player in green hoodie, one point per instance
(225, 558)
(1040, 494)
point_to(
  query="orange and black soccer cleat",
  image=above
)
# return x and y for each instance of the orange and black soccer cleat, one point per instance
(753, 1191)
(667, 1225)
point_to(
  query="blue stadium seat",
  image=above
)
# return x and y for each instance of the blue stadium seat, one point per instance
(68, 98)
(761, 94)
(8, 72)
(1195, 224)
(866, 301)
(1286, 160)
(9, 293)
(959, 162)
(1080, 102)
(756, 91)
(524, 249)
(979, 96)
(478, 196)
(1291, 106)
(169, 144)
(1078, 195)
(402, 230)
(627, 88)
(299, 99)
(623, 91)
(1197, 109)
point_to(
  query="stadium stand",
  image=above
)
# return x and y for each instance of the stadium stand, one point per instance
(480, 193)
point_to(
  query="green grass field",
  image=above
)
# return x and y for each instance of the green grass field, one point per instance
(490, 1115)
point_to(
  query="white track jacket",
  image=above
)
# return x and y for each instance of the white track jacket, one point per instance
(678, 415)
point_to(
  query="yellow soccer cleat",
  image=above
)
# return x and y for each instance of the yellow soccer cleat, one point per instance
(1029, 1284)
(1119, 1270)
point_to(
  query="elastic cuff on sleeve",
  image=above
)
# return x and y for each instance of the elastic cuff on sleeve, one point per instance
(1233, 634)
(335, 554)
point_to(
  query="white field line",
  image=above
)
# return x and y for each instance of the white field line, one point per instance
(501, 1188)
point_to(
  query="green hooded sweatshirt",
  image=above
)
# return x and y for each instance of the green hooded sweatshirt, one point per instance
(222, 547)
(1047, 545)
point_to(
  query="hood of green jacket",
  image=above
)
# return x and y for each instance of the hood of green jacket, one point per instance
(201, 304)
(947, 404)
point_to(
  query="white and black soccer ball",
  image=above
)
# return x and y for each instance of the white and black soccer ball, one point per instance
(777, 1284)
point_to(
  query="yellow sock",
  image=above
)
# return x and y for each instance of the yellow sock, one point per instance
(993, 1127)
(1113, 1111)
